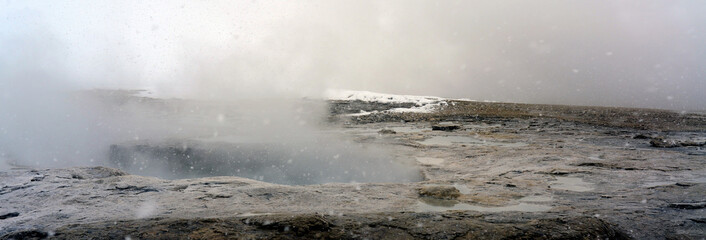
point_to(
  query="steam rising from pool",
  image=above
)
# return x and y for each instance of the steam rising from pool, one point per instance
(321, 161)
(272, 140)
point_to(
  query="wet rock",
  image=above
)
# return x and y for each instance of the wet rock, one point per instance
(179, 188)
(37, 178)
(103, 172)
(660, 142)
(591, 164)
(95, 173)
(445, 127)
(9, 189)
(28, 234)
(387, 131)
(216, 196)
(299, 225)
(135, 189)
(441, 192)
(642, 136)
(8, 215)
(351, 226)
(617, 166)
(693, 144)
(697, 205)
(561, 172)
(615, 133)
(347, 107)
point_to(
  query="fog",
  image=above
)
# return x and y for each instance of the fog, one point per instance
(619, 53)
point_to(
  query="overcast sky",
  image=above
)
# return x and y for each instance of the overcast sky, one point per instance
(612, 53)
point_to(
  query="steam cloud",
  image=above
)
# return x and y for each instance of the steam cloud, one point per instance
(623, 53)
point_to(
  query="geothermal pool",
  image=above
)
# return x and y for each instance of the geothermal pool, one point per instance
(287, 163)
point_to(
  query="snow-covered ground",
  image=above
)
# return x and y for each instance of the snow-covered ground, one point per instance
(423, 104)
(338, 94)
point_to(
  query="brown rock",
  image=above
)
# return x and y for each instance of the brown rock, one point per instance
(441, 192)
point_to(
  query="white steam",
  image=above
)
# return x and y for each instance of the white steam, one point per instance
(624, 53)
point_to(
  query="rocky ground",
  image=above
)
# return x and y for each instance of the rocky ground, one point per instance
(490, 171)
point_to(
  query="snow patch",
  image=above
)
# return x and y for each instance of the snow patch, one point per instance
(423, 104)
(361, 113)
(426, 108)
(350, 95)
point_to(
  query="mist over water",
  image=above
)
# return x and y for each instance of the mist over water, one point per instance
(622, 53)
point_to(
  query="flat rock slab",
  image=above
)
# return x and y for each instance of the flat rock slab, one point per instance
(349, 226)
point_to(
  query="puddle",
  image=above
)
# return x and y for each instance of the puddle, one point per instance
(536, 199)
(437, 205)
(572, 184)
(362, 132)
(451, 140)
(668, 183)
(699, 180)
(657, 184)
(481, 126)
(375, 131)
(596, 158)
(462, 188)
(249, 214)
(430, 161)
(407, 129)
